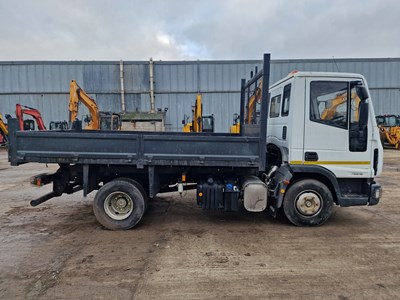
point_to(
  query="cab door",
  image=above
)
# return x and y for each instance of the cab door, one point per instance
(330, 120)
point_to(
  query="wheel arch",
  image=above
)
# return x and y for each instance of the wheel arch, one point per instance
(275, 155)
(320, 174)
(141, 180)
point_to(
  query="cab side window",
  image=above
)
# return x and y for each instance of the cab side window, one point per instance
(275, 106)
(286, 100)
(328, 103)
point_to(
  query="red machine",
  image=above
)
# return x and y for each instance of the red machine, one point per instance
(21, 110)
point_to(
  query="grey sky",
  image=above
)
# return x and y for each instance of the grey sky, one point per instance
(208, 29)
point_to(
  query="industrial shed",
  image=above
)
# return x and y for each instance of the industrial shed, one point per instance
(45, 85)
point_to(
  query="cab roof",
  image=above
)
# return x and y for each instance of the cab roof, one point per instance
(317, 74)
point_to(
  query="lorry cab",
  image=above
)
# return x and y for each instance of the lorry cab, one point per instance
(325, 119)
(322, 125)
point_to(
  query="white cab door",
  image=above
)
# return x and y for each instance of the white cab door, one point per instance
(331, 108)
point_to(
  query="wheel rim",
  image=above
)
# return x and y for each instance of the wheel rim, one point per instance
(118, 206)
(308, 203)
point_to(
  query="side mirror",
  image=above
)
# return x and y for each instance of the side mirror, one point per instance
(362, 93)
(364, 110)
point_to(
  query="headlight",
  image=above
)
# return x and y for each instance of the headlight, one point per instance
(378, 193)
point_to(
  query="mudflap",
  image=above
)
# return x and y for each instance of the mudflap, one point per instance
(277, 189)
(272, 206)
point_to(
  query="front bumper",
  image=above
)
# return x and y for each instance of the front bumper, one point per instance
(372, 196)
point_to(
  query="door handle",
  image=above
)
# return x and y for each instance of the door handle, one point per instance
(311, 156)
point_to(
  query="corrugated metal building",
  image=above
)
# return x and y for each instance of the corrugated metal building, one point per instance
(45, 85)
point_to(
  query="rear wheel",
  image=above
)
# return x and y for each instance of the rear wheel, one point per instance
(140, 187)
(308, 202)
(119, 205)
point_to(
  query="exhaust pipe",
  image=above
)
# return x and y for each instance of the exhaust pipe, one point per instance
(44, 198)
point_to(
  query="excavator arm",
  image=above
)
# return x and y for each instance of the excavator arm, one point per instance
(329, 112)
(76, 94)
(198, 115)
(251, 110)
(3, 131)
(3, 126)
(21, 110)
(251, 104)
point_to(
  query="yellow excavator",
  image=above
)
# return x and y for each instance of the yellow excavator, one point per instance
(3, 132)
(330, 112)
(251, 111)
(389, 129)
(97, 119)
(199, 122)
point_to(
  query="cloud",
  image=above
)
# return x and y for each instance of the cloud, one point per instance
(184, 30)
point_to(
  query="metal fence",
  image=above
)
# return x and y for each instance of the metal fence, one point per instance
(45, 85)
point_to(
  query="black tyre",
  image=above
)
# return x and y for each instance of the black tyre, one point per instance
(119, 205)
(308, 202)
(140, 187)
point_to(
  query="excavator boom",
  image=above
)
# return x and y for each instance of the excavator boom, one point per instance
(252, 104)
(3, 131)
(3, 126)
(198, 114)
(76, 94)
(330, 111)
(21, 110)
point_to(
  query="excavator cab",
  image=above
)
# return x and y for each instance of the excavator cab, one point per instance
(203, 124)
(58, 125)
(29, 124)
(208, 123)
(389, 129)
(199, 122)
(109, 121)
(116, 122)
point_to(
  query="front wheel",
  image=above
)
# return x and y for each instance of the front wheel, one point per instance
(308, 202)
(119, 205)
